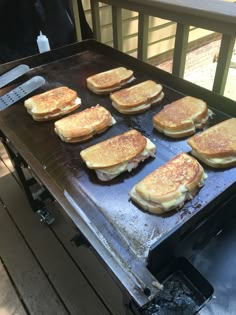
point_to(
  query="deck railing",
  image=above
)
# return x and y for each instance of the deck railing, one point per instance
(213, 15)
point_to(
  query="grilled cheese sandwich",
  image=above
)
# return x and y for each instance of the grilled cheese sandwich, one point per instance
(53, 103)
(84, 125)
(137, 98)
(109, 81)
(216, 146)
(118, 154)
(181, 118)
(169, 186)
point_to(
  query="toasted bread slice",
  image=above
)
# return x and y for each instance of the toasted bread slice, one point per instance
(83, 125)
(138, 97)
(63, 112)
(118, 154)
(170, 185)
(115, 150)
(182, 117)
(52, 102)
(140, 108)
(108, 81)
(216, 146)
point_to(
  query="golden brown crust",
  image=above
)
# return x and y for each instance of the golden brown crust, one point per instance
(74, 140)
(98, 92)
(82, 138)
(162, 208)
(136, 95)
(51, 102)
(139, 109)
(115, 150)
(218, 141)
(83, 125)
(53, 116)
(108, 80)
(168, 182)
(180, 116)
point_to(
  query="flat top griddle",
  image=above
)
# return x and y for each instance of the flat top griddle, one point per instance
(127, 231)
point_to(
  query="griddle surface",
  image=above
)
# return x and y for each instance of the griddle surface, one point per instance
(135, 227)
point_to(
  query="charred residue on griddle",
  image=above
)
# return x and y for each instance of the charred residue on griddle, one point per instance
(177, 297)
(184, 212)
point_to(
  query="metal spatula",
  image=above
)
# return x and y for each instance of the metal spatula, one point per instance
(13, 74)
(21, 91)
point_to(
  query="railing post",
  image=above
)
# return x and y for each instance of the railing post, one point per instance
(117, 27)
(96, 19)
(180, 50)
(75, 12)
(143, 23)
(225, 55)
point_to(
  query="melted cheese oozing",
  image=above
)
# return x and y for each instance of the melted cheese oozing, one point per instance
(111, 172)
(167, 205)
(77, 101)
(213, 161)
(209, 114)
(113, 121)
(167, 132)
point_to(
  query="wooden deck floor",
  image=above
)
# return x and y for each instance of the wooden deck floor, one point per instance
(42, 271)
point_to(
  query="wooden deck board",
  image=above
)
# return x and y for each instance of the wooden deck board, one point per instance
(9, 300)
(74, 290)
(31, 282)
(84, 258)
